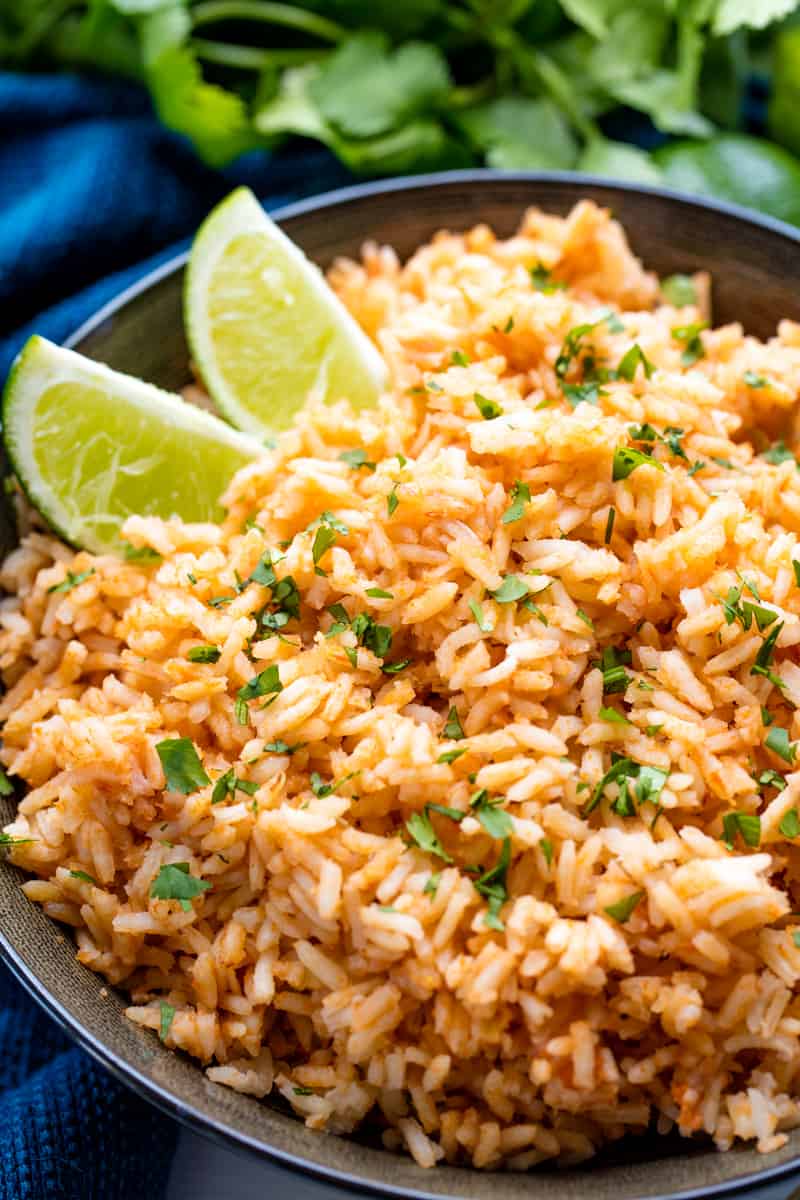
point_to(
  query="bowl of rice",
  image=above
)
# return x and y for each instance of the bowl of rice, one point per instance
(498, 890)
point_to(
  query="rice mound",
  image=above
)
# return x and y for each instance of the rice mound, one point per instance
(568, 952)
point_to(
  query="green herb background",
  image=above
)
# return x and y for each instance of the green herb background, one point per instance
(396, 86)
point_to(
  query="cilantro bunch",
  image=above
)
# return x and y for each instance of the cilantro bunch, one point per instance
(431, 84)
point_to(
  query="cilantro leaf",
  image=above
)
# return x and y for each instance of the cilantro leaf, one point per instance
(582, 393)
(746, 824)
(365, 89)
(477, 612)
(778, 453)
(623, 909)
(422, 832)
(167, 1016)
(489, 409)
(626, 460)
(542, 280)
(511, 589)
(183, 770)
(204, 654)
(520, 496)
(6, 786)
(377, 593)
(613, 716)
(141, 554)
(495, 820)
(546, 847)
(323, 540)
(356, 459)
(759, 381)
(679, 290)
(693, 345)
(453, 728)
(266, 683)
(790, 823)
(173, 882)
(84, 877)
(432, 885)
(70, 581)
(450, 756)
(777, 740)
(631, 360)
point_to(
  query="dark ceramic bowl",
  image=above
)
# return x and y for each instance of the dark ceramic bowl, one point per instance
(756, 267)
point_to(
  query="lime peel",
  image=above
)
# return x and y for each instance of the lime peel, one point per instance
(265, 329)
(91, 446)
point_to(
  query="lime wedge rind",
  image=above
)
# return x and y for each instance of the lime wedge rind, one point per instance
(264, 328)
(91, 446)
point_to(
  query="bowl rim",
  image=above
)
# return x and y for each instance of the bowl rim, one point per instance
(406, 183)
(158, 1094)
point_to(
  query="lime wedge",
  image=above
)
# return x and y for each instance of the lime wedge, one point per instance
(91, 446)
(265, 330)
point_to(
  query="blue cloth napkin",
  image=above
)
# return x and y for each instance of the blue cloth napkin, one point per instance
(93, 193)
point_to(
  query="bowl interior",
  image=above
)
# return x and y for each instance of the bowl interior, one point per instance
(755, 268)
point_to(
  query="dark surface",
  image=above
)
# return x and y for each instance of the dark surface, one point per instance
(755, 266)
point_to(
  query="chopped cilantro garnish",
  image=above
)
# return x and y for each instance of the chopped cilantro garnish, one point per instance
(453, 728)
(183, 769)
(70, 581)
(459, 358)
(492, 885)
(520, 496)
(357, 458)
(754, 381)
(303, 1091)
(761, 666)
(141, 554)
(777, 740)
(432, 885)
(613, 716)
(489, 409)
(612, 664)
(452, 814)
(320, 788)
(323, 540)
(546, 847)
(511, 589)
(281, 747)
(790, 823)
(587, 620)
(422, 832)
(746, 824)
(167, 1016)
(623, 909)
(679, 290)
(494, 819)
(450, 756)
(693, 345)
(778, 453)
(796, 568)
(204, 654)
(626, 460)
(631, 360)
(6, 786)
(266, 683)
(392, 500)
(228, 784)
(394, 668)
(477, 612)
(695, 467)
(771, 778)
(582, 393)
(649, 781)
(219, 601)
(6, 841)
(542, 279)
(610, 519)
(173, 882)
(379, 594)
(84, 877)
(725, 463)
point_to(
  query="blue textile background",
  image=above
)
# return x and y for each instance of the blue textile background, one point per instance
(93, 192)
